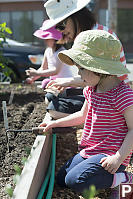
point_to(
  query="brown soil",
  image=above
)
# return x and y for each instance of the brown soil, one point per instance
(26, 111)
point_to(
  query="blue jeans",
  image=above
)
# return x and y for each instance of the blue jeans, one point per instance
(79, 173)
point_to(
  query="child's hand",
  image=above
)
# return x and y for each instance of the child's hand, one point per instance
(111, 163)
(31, 72)
(47, 126)
(29, 80)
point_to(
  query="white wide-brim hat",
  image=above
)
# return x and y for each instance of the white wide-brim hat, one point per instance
(58, 10)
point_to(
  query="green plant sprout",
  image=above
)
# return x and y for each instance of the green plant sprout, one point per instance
(19, 87)
(17, 169)
(16, 179)
(27, 150)
(90, 194)
(9, 189)
(4, 61)
(24, 160)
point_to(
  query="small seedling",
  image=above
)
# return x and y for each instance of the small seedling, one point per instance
(24, 160)
(17, 169)
(16, 178)
(27, 150)
(90, 194)
(19, 87)
(9, 190)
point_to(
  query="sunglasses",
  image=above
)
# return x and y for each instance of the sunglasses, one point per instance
(61, 26)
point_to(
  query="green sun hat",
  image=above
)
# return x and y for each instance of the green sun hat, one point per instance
(97, 51)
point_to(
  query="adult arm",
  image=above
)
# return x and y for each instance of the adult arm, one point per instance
(66, 82)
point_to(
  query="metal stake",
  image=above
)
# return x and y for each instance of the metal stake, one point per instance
(5, 122)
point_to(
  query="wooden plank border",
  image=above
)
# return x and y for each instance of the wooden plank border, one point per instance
(35, 169)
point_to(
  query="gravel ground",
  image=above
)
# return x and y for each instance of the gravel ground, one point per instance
(26, 111)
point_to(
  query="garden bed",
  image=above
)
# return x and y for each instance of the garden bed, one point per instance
(26, 111)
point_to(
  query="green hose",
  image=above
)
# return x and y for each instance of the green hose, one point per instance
(51, 171)
(51, 183)
(44, 185)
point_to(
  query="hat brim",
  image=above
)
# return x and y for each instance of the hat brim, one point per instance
(40, 34)
(45, 35)
(93, 64)
(53, 22)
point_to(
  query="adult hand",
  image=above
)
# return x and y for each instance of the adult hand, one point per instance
(111, 163)
(58, 85)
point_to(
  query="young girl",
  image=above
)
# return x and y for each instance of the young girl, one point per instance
(51, 66)
(107, 139)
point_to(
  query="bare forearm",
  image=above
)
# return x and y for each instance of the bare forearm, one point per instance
(77, 82)
(126, 147)
(71, 120)
(47, 73)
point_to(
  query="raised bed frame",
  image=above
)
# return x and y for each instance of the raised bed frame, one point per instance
(34, 177)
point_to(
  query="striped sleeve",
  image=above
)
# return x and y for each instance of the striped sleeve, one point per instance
(86, 92)
(124, 100)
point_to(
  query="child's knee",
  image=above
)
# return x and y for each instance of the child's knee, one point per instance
(79, 182)
(73, 182)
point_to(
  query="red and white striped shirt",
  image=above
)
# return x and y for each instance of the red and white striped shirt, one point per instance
(105, 126)
(122, 55)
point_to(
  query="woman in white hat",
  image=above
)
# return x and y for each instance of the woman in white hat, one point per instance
(71, 17)
(107, 139)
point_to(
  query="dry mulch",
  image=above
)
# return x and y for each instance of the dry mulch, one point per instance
(26, 111)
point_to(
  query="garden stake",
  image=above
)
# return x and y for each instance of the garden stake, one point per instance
(34, 130)
(11, 97)
(5, 122)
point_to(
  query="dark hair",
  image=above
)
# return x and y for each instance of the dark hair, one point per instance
(57, 46)
(84, 19)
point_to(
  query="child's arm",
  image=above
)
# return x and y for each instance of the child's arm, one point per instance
(45, 72)
(44, 64)
(71, 120)
(34, 77)
(112, 163)
(48, 72)
(55, 67)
